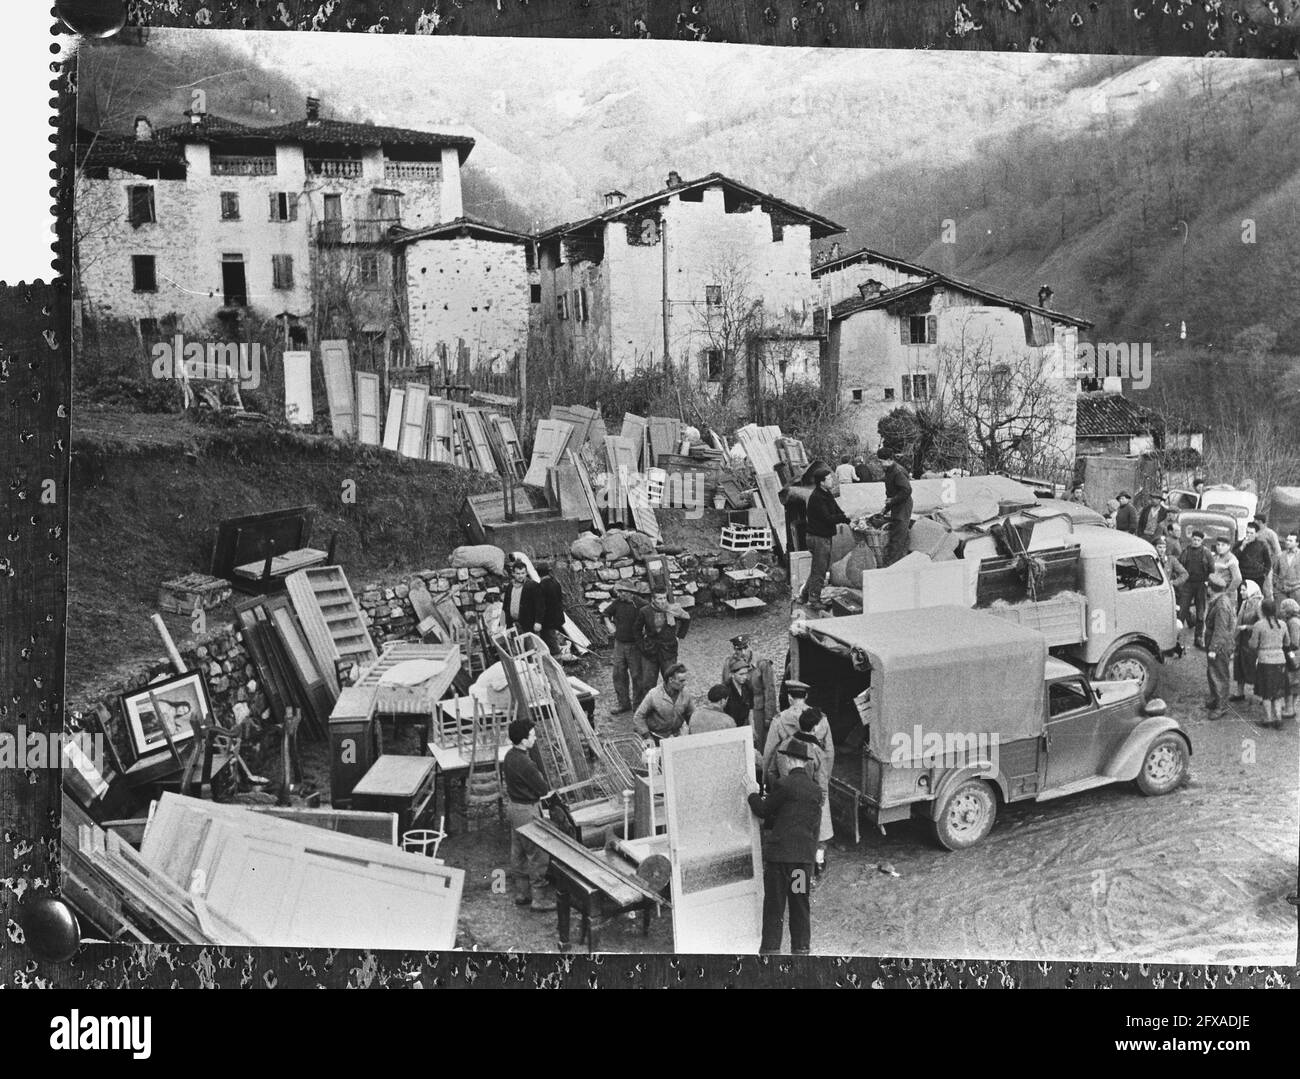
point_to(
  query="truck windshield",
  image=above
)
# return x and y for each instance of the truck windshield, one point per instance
(1139, 571)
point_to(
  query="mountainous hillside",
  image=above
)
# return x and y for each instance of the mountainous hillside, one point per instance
(1080, 172)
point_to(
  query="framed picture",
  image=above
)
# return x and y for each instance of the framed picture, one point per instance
(182, 701)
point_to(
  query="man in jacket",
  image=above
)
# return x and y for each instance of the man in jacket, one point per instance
(824, 516)
(792, 814)
(814, 729)
(623, 611)
(659, 626)
(526, 789)
(1151, 522)
(898, 504)
(1126, 518)
(552, 607)
(1287, 573)
(521, 603)
(665, 711)
(1254, 558)
(712, 717)
(1225, 562)
(1220, 636)
(1192, 601)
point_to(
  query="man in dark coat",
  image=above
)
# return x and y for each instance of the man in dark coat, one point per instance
(1220, 638)
(898, 504)
(1126, 517)
(552, 607)
(623, 611)
(792, 814)
(1193, 599)
(522, 602)
(1255, 559)
(824, 516)
(659, 626)
(526, 790)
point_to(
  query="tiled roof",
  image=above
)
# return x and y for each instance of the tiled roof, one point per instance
(864, 254)
(471, 226)
(820, 226)
(353, 134)
(208, 127)
(107, 150)
(854, 304)
(1105, 415)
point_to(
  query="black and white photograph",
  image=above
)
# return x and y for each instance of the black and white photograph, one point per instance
(651, 496)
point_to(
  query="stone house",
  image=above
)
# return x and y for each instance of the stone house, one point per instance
(698, 272)
(217, 227)
(893, 328)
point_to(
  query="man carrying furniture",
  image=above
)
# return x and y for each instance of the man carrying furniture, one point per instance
(823, 517)
(666, 710)
(526, 790)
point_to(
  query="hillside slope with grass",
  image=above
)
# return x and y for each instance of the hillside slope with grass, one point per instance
(148, 491)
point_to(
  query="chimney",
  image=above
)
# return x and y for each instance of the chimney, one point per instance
(870, 289)
(1044, 295)
(143, 129)
(313, 107)
(614, 198)
(674, 179)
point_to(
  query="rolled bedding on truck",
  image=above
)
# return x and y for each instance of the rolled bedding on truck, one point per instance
(963, 675)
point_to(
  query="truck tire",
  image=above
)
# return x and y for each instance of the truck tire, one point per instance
(966, 816)
(1164, 767)
(1131, 661)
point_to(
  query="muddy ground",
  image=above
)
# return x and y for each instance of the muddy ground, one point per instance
(1197, 876)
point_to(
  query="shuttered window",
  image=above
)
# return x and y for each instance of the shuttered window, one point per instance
(284, 206)
(282, 271)
(918, 329)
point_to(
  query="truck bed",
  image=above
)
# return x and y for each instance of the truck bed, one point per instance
(1062, 619)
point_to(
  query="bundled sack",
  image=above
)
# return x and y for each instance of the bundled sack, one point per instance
(615, 545)
(480, 556)
(641, 545)
(847, 572)
(588, 547)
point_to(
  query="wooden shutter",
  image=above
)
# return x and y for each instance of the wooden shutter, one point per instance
(907, 387)
(931, 329)
(292, 199)
(368, 408)
(905, 329)
(393, 423)
(414, 418)
(297, 387)
(338, 387)
(275, 206)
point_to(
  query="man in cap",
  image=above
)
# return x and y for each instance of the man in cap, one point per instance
(787, 725)
(823, 517)
(712, 716)
(622, 612)
(741, 658)
(898, 504)
(1194, 600)
(526, 789)
(791, 813)
(659, 625)
(815, 730)
(1126, 518)
(1220, 636)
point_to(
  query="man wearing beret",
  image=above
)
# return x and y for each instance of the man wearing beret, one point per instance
(792, 815)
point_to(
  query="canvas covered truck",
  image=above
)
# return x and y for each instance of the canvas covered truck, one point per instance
(944, 714)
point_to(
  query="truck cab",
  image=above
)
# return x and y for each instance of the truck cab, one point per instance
(961, 712)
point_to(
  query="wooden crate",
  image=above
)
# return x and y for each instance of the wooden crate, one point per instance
(746, 538)
(194, 591)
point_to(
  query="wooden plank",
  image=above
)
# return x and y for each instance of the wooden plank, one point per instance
(769, 493)
(485, 460)
(338, 387)
(634, 430)
(579, 417)
(414, 415)
(393, 424)
(298, 408)
(713, 836)
(549, 443)
(665, 436)
(340, 635)
(588, 493)
(439, 432)
(368, 408)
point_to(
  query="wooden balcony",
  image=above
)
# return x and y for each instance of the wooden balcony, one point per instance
(229, 165)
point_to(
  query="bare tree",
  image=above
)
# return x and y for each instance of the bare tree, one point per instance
(1011, 409)
(728, 323)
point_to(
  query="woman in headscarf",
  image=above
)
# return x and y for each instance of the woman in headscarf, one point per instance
(1289, 611)
(1267, 637)
(1243, 658)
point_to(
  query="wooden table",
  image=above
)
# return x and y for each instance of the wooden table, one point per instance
(397, 784)
(595, 882)
(452, 767)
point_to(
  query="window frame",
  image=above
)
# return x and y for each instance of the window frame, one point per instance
(709, 355)
(712, 295)
(1136, 561)
(1089, 700)
(136, 263)
(365, 279)
(132, 190)
(282, 272)
(233, 197)
(283, 207)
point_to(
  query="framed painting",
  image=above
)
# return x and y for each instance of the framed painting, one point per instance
(182, 701)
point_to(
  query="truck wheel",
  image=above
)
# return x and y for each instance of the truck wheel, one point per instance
(1135, 662)
(1164, 768)
(966, 815)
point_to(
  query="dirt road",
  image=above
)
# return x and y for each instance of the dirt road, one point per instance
(1197, 876)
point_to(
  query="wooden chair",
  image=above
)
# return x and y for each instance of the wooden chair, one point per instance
(483, 784)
